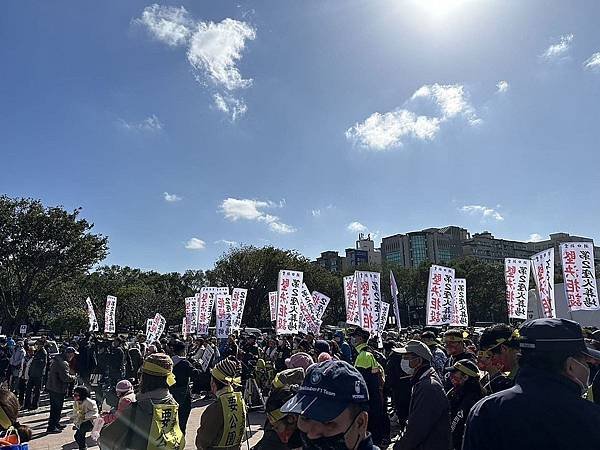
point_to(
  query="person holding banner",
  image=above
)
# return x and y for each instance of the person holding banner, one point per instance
(502, 345)
(223, 422)
(553, 377)
(373, 374)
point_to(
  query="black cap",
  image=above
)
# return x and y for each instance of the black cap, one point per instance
(327, 390)
(360, 332)
(554, 335)
(177, 345)
(465, 366)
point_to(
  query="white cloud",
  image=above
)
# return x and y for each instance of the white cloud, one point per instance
(150, 124)
(216, 47)
(226, 242)
(231, 106)
(502, 86)
(356, 227)
(246, 209)
(171, 197)
(167, 24)
(382, 131)
(484, 211)
(559, 49)
(593, 62)
(535, 237)
(195, 244)
(316, 212)
(213, 50)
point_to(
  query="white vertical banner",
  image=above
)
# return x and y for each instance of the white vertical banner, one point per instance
(394, 292)
(383, 317)
(459, 316)
(516, 276)
(369, 299)
(109, 314)
(579, 276)
(440, 291)
(93, 322)
(191, 314)
(351, 298)
(206, 300)
(320, 302)
(308, 319)
(156, 329)
(238, 301)
(148, 325)
(273, 305)
(224, 315)
(289, 293)
(185, 330)
(543, 275)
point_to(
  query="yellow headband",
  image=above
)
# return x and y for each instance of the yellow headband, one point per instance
(466, 370)
(5, 422)
(158, 371)
(224, 378)
(275, 416)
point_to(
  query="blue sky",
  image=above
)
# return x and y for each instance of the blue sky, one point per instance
(182, 126)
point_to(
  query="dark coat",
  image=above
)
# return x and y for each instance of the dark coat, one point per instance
(38, 363)
(543, 410)
(59, 376)
(428, 426)
(461, 402)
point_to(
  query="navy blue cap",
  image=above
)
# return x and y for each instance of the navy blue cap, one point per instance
(327, 390)
(554, 335)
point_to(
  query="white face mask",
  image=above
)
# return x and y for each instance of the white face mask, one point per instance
(584, 386)
(405, 365)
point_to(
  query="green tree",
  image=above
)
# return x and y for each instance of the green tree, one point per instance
(257, 270)
(40, 248)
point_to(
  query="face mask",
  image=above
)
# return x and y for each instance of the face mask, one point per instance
(335, 442)
(583, 386)
(405, 365)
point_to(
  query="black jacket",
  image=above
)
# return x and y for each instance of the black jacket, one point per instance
(461, 402)
(542, 410)
(38, 363)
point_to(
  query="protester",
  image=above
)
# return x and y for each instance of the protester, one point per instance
(332, 408)
(502, 345)
(9, 411)
(280, 430)
(84, 413)
(373, 374)
(126, 397)
(152, 419)
(223, 423)
(59, 378)
(553, 376)
(184, 371)
(454, 341)
(16, 366)
(35, 374)
(465, 392)
(345, 349)
(439, 358)
(428, 424)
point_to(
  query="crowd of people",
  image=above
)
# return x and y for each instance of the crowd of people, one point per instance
(537, 386)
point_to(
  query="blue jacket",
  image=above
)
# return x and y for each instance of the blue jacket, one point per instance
(542, 411)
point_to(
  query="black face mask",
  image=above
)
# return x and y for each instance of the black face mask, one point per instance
(335, 442)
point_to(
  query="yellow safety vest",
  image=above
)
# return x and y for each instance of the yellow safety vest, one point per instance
(164, 429)
(234, 418)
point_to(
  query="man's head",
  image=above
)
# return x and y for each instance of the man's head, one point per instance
(359, 336)
(429, 338)
(331, 406)
(454, 341)
(502, 344)
(70, 353)
(557, 346)
(284, 424)
(226, 372)
(414, 356)
(177, 347)
(462, 371)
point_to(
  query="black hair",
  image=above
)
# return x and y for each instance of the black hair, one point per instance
(82, 391)
(220, 385)
(489, 338)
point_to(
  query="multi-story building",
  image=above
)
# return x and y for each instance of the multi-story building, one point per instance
(554, 242)
(486, 247)
(363, 253)
(331, 261)
(438, 245)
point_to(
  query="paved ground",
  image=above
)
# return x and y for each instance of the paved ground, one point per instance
(38, 421)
